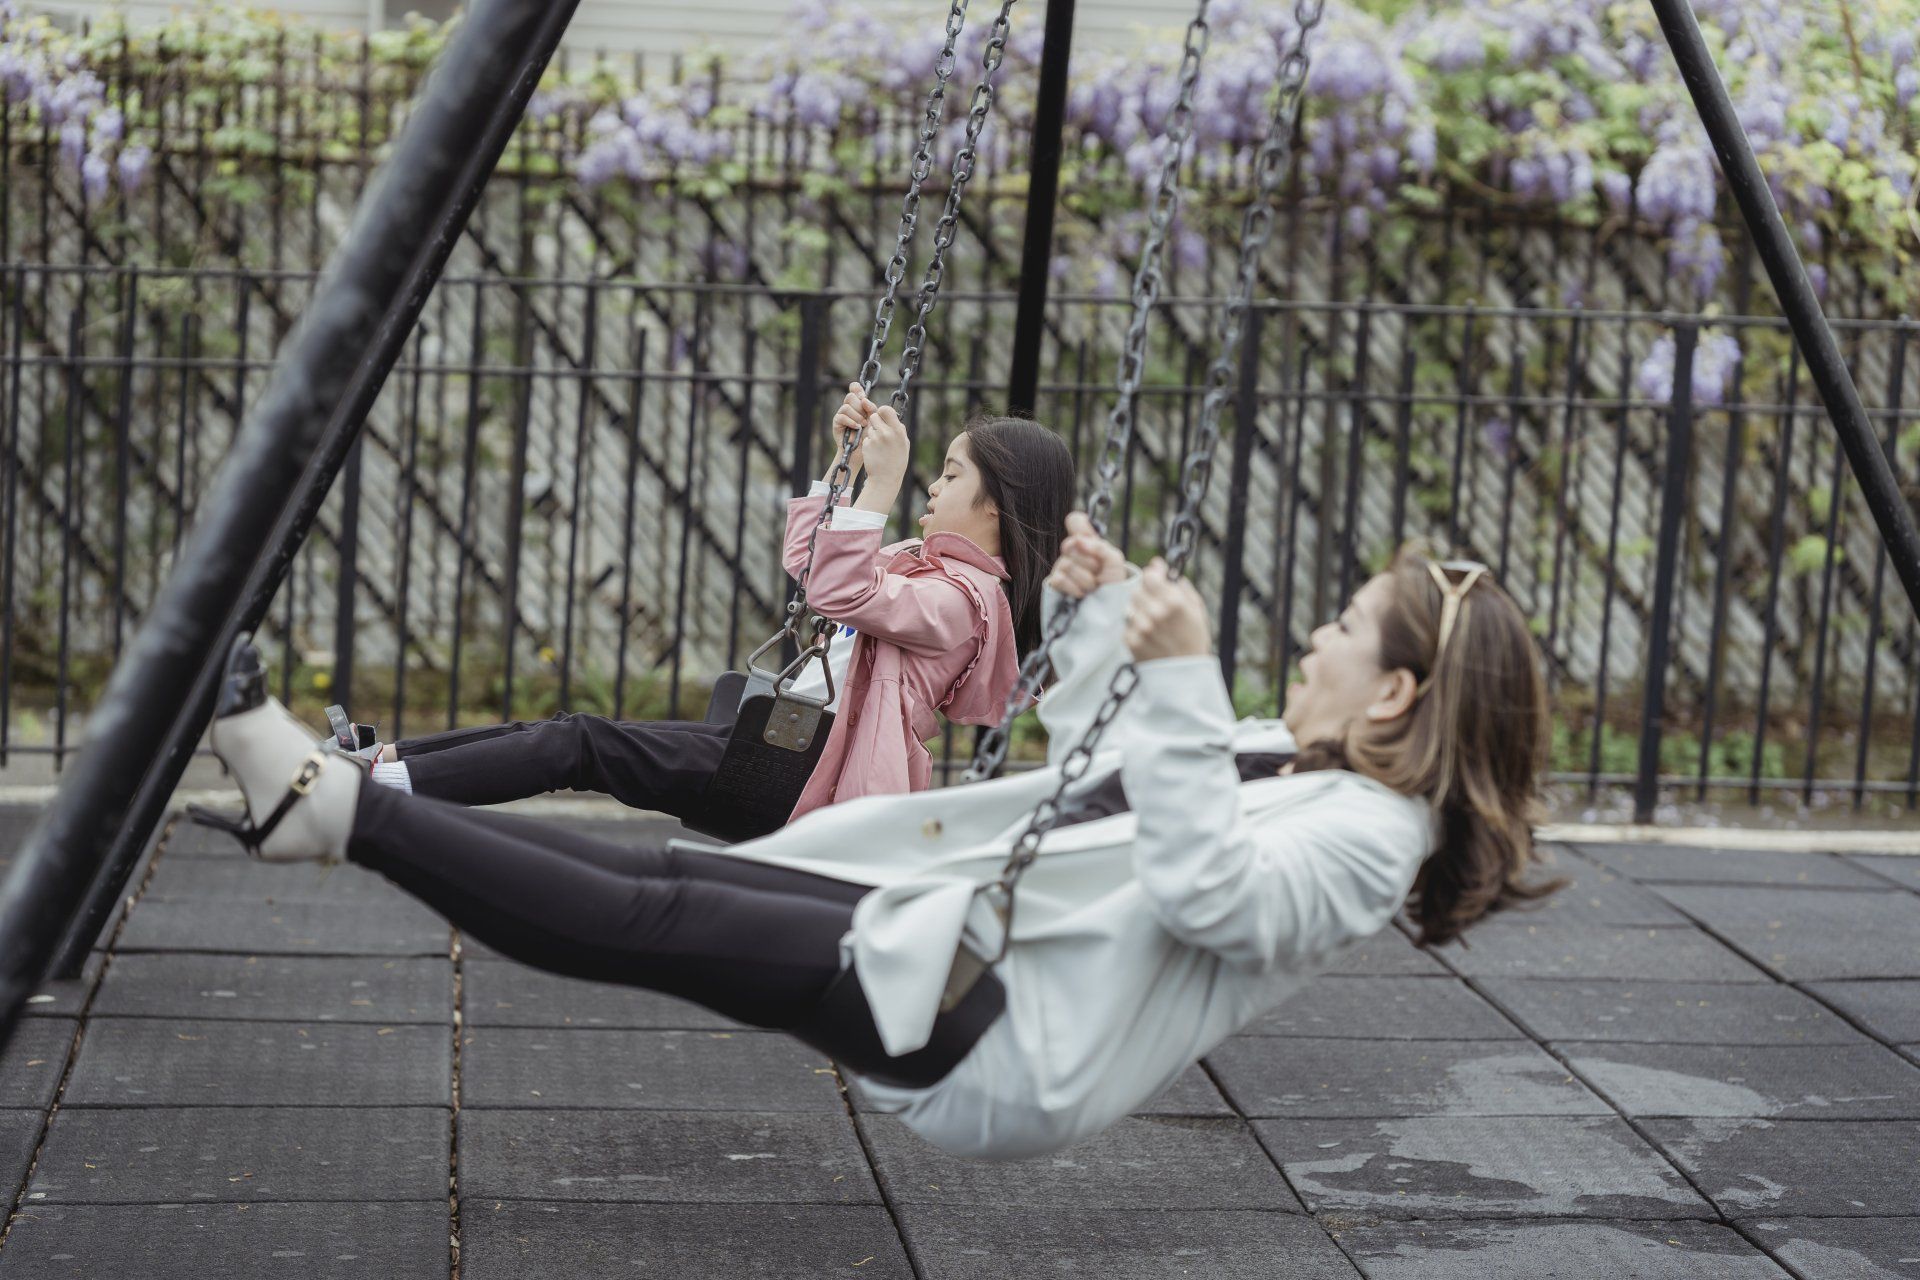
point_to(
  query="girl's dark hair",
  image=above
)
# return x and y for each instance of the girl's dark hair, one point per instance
(1026, 472)
(1473, 747)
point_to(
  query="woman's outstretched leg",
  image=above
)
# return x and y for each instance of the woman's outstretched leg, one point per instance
(754, 942)
(758, 947)
(663, 765)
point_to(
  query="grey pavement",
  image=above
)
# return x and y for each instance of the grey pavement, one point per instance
(1692, 1063)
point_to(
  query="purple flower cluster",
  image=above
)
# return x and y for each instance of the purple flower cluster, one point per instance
(1715, 357)
(63, 96)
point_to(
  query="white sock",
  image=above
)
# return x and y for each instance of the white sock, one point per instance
(393, 773)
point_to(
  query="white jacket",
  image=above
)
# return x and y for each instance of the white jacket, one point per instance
(1141, 940)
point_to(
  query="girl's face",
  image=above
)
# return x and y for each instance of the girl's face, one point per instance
(1341, 678)
(957, 504)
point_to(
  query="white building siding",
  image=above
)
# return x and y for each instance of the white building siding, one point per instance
(663, 29)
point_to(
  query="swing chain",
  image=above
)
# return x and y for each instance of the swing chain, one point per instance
(842, 474)
(963, 160)
(991, 751)
(1276, 153)
(910, 203)
(1256, 228)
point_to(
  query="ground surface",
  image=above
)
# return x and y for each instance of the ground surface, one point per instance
(1694, 1064)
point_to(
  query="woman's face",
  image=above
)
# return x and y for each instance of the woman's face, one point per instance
(955, 501)
(1341, 678)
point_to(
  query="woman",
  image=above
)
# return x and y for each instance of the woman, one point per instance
(1142, 938)
(928, 627)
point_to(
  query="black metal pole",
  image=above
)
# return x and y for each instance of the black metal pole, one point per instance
(1043, 189)
(277, 473)
(1789, 276)
(1674, 500)
(1246, 416)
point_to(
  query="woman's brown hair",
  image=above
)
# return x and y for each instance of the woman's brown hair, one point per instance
(1474, 745)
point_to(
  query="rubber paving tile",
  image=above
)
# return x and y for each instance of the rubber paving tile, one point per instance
(1807, 936)
(1269, 1076)
(151, 1155)
(1157, 1162)
(1593, 895)
(245, 880)
(229, 1242)
(1889, 1009)
(142, 1062)
(1191, 1094)
(505, 993)
(1791, 1168)
(1522, 1250)
(33, 1062)
(707, 1157)
(1385, 1008)
(1685, 864)
(968, 1242)
(186, 985)
(655, 1070)
(1479, 1167)
(1587, 951)
(66, 997)
(1871, 1248)
(1387, 953)
(397, 928)
(1826, 1082)
(503, 1240)
(1903, 870)
(1669, 1012)
(19, 1134)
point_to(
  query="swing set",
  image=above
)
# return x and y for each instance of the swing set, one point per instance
(267, 494)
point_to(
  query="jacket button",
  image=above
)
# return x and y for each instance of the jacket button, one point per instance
(931, 828)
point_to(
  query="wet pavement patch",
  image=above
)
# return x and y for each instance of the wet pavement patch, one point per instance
(1801, 1082)
(1522, 1250)
(1818, 1168)
(1479, 1167)
(1271, 1076)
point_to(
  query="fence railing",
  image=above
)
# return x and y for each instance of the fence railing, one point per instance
(570, 494)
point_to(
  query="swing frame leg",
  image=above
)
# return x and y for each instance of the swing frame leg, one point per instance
(269, 490)
(1795, 290)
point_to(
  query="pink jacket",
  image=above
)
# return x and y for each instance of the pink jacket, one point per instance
(934, 634)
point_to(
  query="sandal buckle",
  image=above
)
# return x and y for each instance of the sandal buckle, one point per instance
(309, 773)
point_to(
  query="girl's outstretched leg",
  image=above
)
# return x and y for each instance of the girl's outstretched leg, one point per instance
(663, 765)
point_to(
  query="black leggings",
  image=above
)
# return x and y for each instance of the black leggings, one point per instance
(663, 765)
(751, 941)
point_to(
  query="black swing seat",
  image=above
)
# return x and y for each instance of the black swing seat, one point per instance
(776, 742)
(728, 692)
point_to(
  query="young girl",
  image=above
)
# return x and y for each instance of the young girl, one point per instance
(1145, 933)
(930, 626)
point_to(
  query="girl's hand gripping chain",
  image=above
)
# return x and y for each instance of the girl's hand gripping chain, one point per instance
(852, 415)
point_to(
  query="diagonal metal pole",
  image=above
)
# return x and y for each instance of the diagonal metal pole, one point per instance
(277, 473)
(1789, 276)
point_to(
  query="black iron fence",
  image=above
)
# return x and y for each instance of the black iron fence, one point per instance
(570, 494)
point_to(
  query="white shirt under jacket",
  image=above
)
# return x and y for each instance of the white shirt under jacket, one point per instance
(1141, 940)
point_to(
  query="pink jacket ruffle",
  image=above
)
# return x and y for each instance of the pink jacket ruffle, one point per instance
(935, 637)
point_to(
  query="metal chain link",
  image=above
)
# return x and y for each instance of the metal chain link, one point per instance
(979, 109)
(991, 751)
(1276, 152)
(842, 474)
